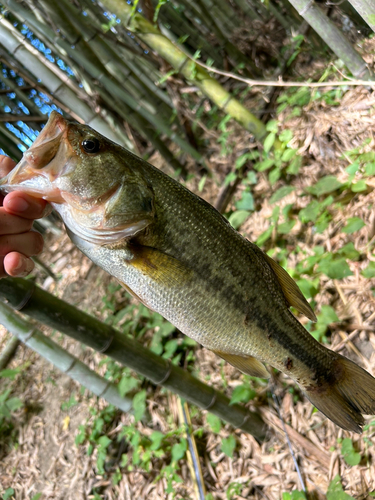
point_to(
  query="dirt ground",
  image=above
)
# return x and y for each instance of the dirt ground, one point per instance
(43, 457)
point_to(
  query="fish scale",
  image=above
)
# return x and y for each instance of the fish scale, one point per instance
(181, 258)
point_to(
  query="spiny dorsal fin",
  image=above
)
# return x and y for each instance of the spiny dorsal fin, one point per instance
(292, 293)
(246, 364)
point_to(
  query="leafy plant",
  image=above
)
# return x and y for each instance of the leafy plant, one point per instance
(228, 445)
(351, 457)
(9, 404)
(335, 490)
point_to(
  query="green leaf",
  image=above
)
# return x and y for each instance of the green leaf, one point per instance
(264, 165)
(268, 142)
(126, 385)
(228, 445)
(236, 219)
(156, 439)
(327, 315)
(309, 288)
(242, 394)
(336, 492)
(359, 186)
(170, 348)
(370, 168)
(335, 269)
(274, 175)
(286, 227)
(14, 404)
(325, 185)
(264, 236)
(288, 154)
(311, 212)
(281, 193)
(232, 176)
(179, 450)
(201, 184)
(139, 405)
(272, 126)
(8, 493)
(349, 252)
(295, 495)
(214, 422)
(37, 496)
(294, 166)
(353, 168)
(353, 224)
(351, 457)
(10, 373)
(251, 177)
(286, 136)
(246, 202)
(369, 271)
(241, 160)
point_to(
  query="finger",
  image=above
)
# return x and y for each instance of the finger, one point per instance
(16, 264)
(12, 224)
(6, 165)
(30, 243)
(24, 205)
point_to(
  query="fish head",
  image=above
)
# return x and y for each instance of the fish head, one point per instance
(91, 182)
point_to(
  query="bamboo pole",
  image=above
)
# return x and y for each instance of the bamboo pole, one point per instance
(186, 66)
(181, 27)
(56, 82)
(8, 352)
(42, 306)
(223, 36)
(8, 145)
(31, 336)
(98, 72)
(29, 103)
(248, 9)
(366, 9)
(332, 37)
(92, 45)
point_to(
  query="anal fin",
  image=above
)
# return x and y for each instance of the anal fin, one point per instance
(246, 364)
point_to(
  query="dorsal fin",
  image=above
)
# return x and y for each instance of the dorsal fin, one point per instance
(292, 293)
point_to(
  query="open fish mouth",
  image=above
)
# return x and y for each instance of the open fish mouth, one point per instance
(37, 170)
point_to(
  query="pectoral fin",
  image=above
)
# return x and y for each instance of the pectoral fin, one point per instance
(129, 290)
(291, 291)
(246, 364)
(159, 266)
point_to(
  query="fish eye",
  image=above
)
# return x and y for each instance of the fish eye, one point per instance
(91, 145)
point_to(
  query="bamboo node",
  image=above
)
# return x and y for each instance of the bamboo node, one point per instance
(106, 346)
(212, 402)
(166, 376)
(306, 8)
(25, 298)
(71, 365)
(29, 335)
(108, 384)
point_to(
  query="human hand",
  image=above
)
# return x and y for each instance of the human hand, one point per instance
(18, 242)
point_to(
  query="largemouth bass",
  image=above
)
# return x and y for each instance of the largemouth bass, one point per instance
(181, 258)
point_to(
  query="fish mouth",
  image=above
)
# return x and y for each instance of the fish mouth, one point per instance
(36, 171)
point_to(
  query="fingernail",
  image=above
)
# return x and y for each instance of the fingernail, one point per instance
(25, 266)
(17, 204)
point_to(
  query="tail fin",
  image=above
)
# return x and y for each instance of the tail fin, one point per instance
(348, 394)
